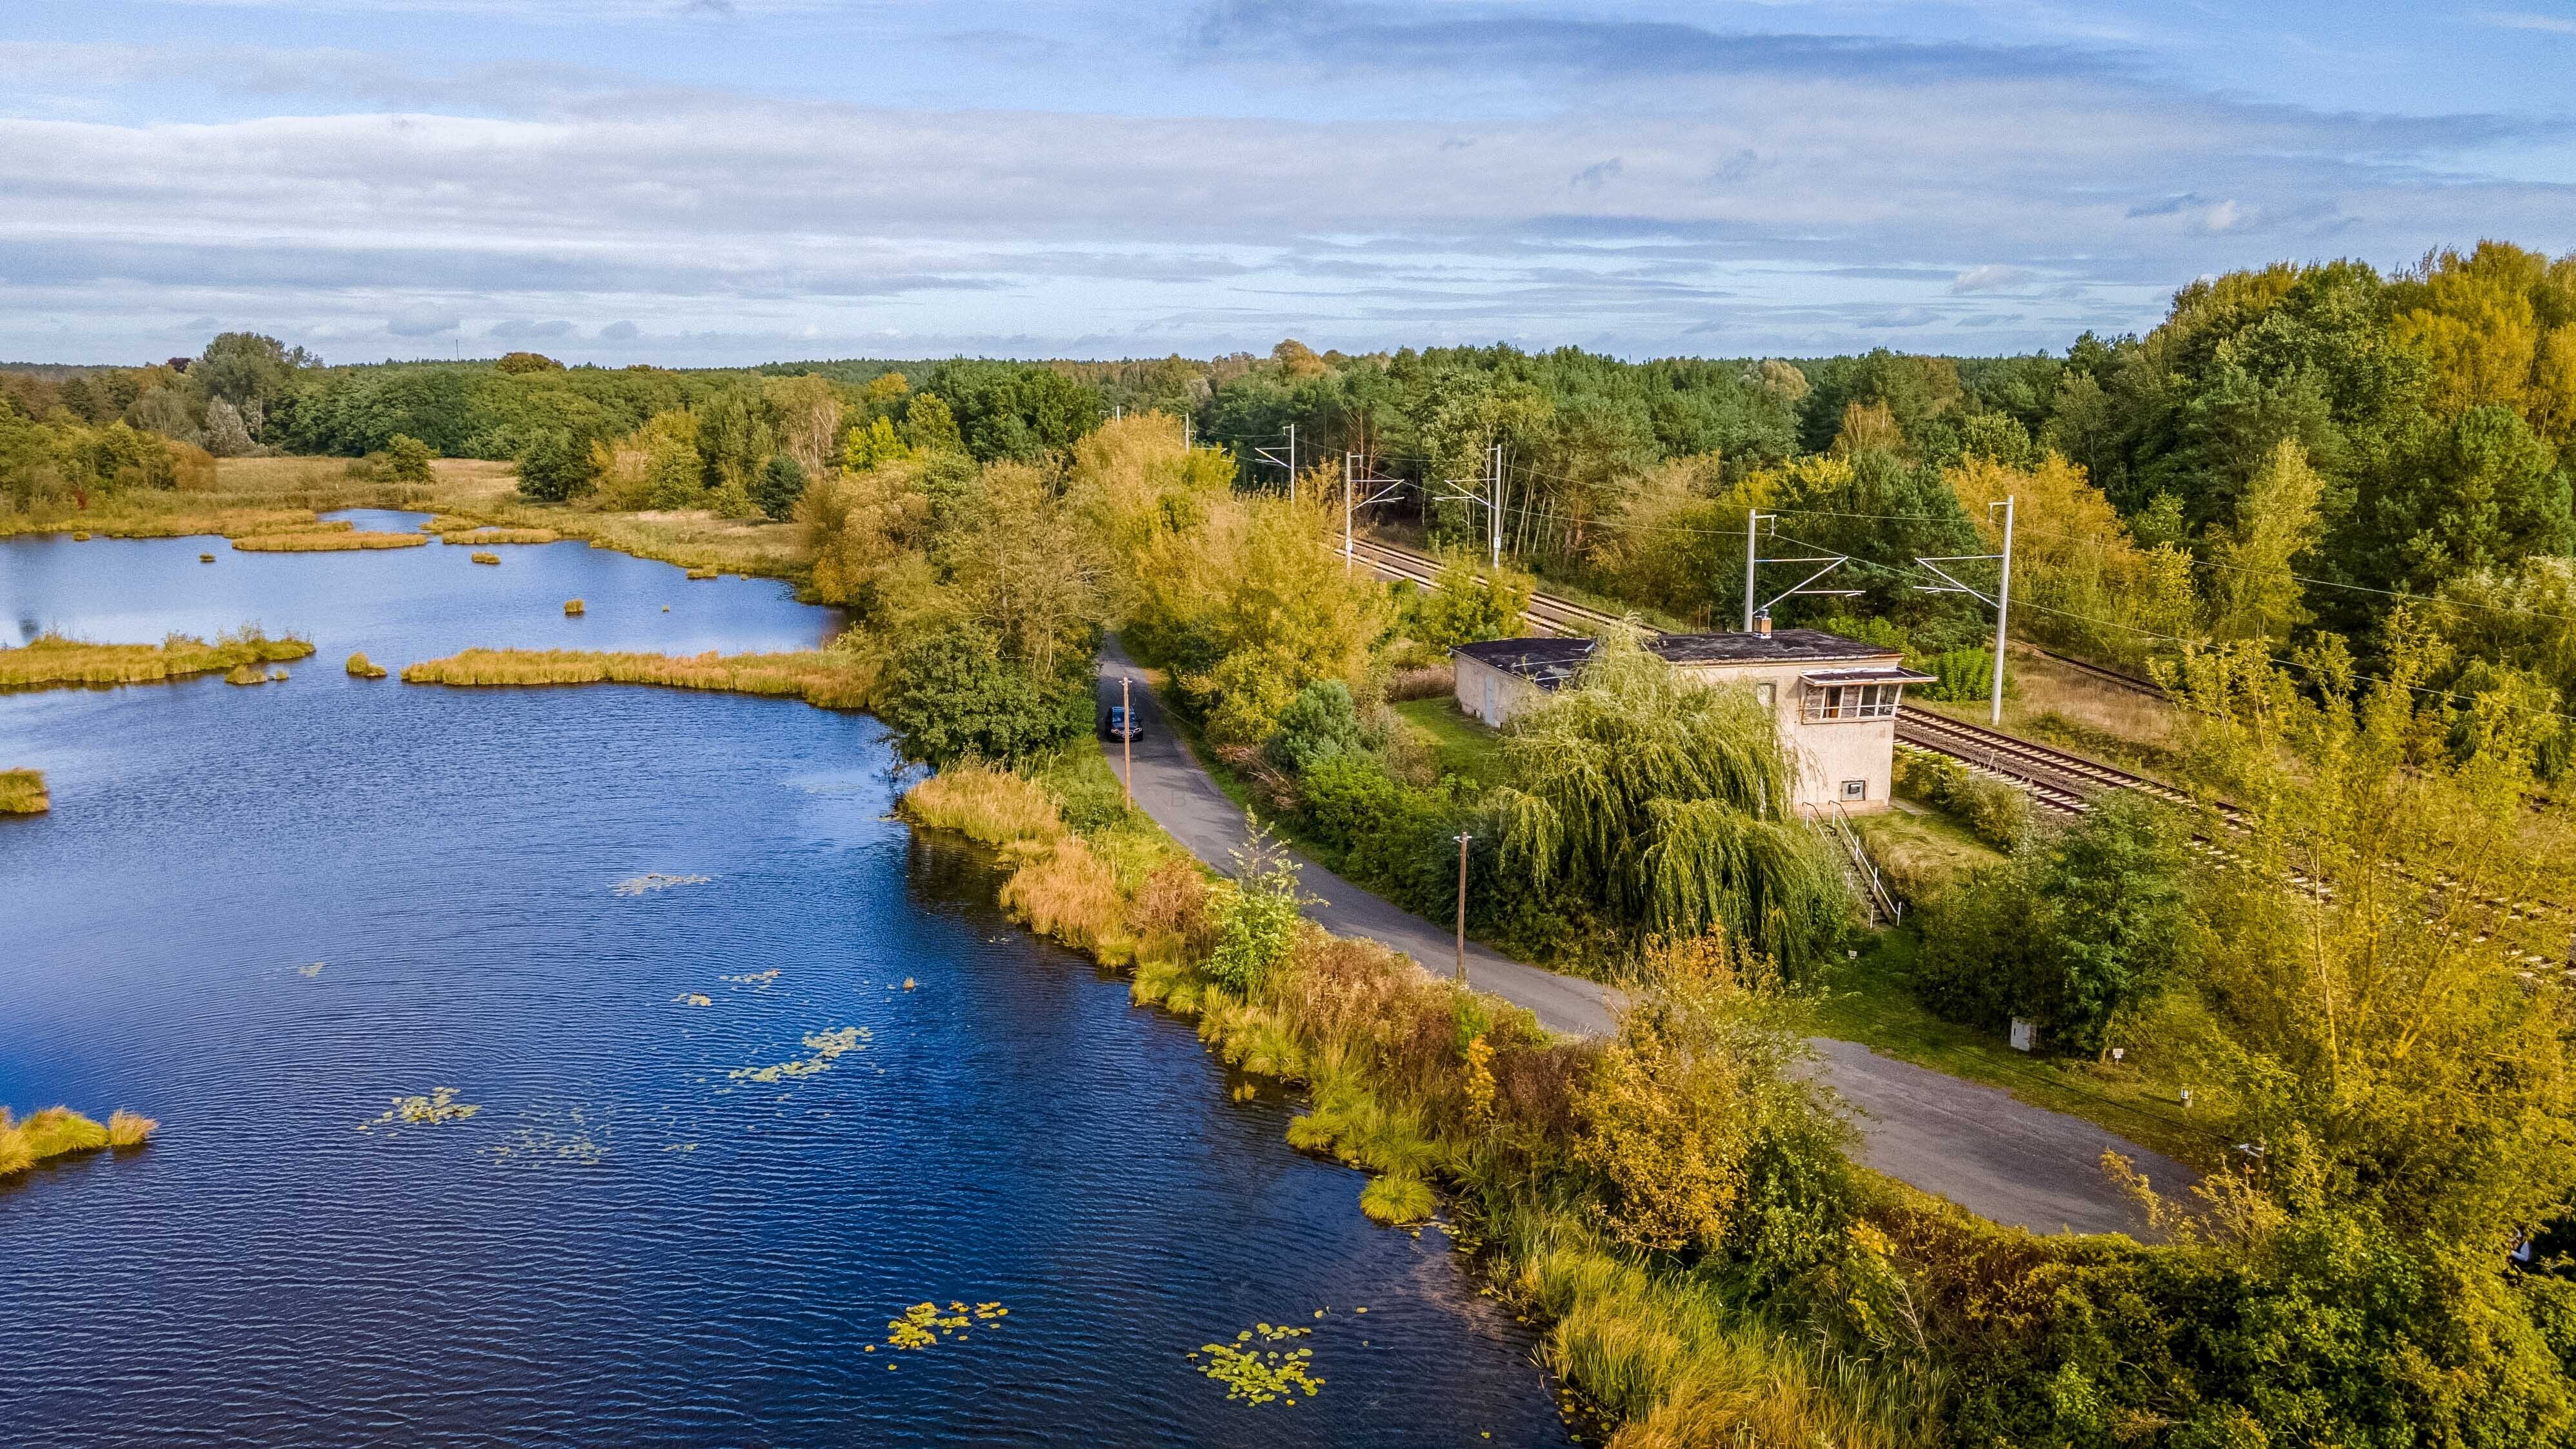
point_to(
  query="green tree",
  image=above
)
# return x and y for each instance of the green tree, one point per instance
(2075, 934)
(1669, 803)
(782, 483)
(2254, 592)
(407, 460)
(525, 362)
(1469, 603)
(554, 469)
(1321, 723)
(950, 694)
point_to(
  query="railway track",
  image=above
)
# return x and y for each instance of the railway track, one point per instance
(2055, 779)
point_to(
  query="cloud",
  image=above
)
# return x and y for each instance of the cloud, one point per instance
(1596, 175)
(2524, 20)
(525, 331)
(422, 320)
(1991, 278)
(1783, 206)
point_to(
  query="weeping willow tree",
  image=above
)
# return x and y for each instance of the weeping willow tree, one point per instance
(1668, 802)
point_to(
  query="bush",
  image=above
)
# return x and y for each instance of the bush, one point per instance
(951, 694)
(1995, 811)
(1349, 799)
(1256, 915)
(779, 485)
(1964, 674)
(406, 460)
(553, 468)
(2071, 937)
(1319, 724)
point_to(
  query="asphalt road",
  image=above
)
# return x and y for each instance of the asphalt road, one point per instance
(1977, 1146)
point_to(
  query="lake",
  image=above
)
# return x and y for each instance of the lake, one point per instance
(261, 914)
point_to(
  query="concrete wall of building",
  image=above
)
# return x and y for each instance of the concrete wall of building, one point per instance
(1490, 694)
(1828, 754)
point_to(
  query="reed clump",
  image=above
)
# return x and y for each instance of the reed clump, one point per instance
(986, 804)
(327, 542)
(364, 668)
(205, 558)
(572, 608)
(246, 674)
(820, 677)
(479, 536)
(705, 572)
(59, 1131)
(82, 537)
(22, 792)
(487, 558)
(51, 660)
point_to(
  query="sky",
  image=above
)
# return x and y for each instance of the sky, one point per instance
(708, 182)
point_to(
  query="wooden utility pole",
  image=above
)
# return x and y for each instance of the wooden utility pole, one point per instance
(1462, 905)
(1127, 739)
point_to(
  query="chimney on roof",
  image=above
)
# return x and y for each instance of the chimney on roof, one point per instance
(1762, 623)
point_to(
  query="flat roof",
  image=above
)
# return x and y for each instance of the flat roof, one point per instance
(1548, 661)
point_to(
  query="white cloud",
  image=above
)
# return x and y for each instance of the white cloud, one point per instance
(1992, 277)
(2524, 20)
(422, 320)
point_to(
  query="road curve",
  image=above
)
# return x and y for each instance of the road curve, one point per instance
(1978, 1146)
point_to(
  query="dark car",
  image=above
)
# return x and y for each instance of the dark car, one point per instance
(1117, 724)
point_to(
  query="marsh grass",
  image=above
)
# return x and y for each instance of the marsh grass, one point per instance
(478, 536)
(487, 558)
(364, 668)
(58, 1131)
(51, 660)
(246, 674)
(22, 792)
(572, 608)
(707, 571)
(819, 677)
(327, 542)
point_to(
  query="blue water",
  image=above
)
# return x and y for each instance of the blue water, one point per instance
(624, 1245)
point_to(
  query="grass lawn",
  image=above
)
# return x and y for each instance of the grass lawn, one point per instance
(1871, 1001)
(1919, 851)
(1464, 747)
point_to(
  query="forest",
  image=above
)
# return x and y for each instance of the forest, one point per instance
(2327, 507)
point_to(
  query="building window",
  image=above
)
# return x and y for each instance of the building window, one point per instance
(1767, 694)
(1855, 789)
(1852, 701)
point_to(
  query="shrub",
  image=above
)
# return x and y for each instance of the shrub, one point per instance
(2071, 937)
(952, 693)
(406, 460)
(1348, 799)
(1256, 913)
(22, 792)
(1964, 674)
(1995, 811)
(1319, 724)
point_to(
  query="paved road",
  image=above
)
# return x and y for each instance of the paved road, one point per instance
(1975, 1145)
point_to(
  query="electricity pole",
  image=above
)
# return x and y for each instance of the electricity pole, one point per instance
(1462, 906)
(1753, 561)
(2003, 609)
(1289, 462)
(1127, 739)
(1497, 563)
(2001, 603)
(1351, 481)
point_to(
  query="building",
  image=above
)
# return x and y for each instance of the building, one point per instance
(1835, 698)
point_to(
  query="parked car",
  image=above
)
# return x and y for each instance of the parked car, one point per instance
(1117, 724)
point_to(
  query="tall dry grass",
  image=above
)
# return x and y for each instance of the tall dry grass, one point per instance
(327, 541)
(22, 792)
(819, 677)
(985, 803)
(50, 660)
(56, 1131)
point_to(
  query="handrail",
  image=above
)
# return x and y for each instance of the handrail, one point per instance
(1881, 901)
